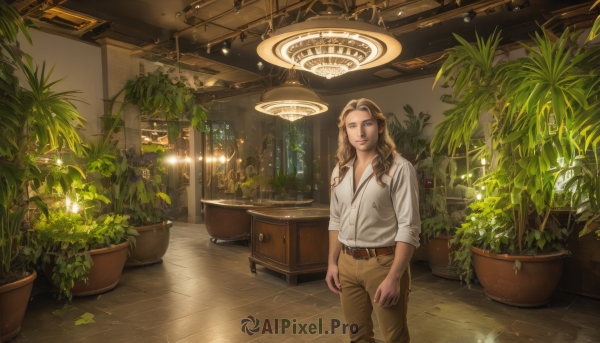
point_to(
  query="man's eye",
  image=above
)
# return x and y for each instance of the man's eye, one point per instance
(368, 123)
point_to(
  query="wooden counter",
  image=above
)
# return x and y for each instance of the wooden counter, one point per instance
(228, 220)
(290, 241)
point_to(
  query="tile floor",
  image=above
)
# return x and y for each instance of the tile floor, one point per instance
(202, 291)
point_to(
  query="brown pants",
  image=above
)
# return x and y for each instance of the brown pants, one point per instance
(359, 280)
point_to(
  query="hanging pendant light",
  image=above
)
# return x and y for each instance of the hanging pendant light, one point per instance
(291, 101)
(330, 47)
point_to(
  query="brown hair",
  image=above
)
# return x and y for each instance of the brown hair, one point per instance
(385, 145)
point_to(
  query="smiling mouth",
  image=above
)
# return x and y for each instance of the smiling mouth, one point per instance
(361, 142)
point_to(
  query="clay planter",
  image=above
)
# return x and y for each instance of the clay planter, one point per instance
(13, 303)
(531, 286)
(151, 244)
(105, 273)
(438, 255)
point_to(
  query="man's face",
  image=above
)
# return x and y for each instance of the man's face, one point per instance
(363, 131)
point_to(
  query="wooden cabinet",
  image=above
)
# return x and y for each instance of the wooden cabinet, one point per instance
(290, 241)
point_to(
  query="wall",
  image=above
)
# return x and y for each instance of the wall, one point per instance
(418, 93)
(79, 64)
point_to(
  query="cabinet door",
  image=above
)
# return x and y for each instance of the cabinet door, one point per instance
(268, 240)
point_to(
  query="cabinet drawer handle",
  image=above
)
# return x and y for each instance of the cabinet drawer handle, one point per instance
(261, 237)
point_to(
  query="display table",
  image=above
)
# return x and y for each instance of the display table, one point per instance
(228, 220)
(290, 241)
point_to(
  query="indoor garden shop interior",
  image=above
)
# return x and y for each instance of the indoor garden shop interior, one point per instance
(190, 171)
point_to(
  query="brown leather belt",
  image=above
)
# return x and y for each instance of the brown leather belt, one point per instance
(367, 253)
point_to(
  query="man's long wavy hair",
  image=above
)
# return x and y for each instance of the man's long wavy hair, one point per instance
(385, 145)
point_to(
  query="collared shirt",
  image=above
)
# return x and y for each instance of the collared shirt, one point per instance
(375, 216)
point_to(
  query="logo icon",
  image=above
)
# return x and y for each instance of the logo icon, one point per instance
(247, 324)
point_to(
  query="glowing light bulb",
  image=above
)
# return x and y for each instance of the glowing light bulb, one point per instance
(483, 161)
(462, 177)
(470, 175)
(222, 159)
(75, 208)
(200, 158)
(473, 219)
(482, 187)
(478, 196)
(187, 160)
(59, 162)
(172, 160)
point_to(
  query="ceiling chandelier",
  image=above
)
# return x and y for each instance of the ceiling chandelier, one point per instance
(330, 47)
(291, 100)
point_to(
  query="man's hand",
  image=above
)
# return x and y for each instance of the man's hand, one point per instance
(388, 292)
(333, 279)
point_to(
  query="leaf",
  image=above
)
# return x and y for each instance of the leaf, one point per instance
(62, 310)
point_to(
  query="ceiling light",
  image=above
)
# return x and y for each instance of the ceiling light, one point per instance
(291, 101)
(226, 48)
(242, 37)
(467, 17)
(208, 49)
(400, 13)
(260, 65)
(237, 6)
(329, 47)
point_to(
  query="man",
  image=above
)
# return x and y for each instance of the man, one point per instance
(374, 225)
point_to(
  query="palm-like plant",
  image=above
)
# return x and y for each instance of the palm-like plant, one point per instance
(542, 107)
(34, 122)
(409, 138)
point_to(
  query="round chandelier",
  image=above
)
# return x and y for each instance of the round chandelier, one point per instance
(291, 101)
(330, 47)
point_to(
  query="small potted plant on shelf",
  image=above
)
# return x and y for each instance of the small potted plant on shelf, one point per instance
(34, 122)
(544, 110)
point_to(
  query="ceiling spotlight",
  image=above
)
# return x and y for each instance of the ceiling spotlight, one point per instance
(522, 5)
(242, 37)
(330, 47)
(208, 49)
(178, 14)
(291, 101)
(260, 65)
(467, 17)
(401, 12)
(237, 6)
(226, 48)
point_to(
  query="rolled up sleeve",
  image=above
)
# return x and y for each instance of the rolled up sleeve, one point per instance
(334, 210)
(405, 198)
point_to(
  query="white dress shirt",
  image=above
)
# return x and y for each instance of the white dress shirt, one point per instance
(374, 216)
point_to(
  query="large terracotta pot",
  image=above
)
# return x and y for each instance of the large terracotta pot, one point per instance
(438, 255)
(531, 286)
(13, 303)
(107, 266)
(151, 244)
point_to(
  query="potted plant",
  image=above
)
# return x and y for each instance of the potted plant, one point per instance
(135, 187)
(442, 211)
(34, 122)
(536, 104)
(82, 255)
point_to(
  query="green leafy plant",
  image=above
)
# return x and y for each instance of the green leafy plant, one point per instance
(542, 107)
(489, 226)
(66, 239)
(161, 97)
(408, 137)
(34, 122)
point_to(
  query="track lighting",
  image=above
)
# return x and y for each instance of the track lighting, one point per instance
(237, 6)
(242, 37)
(260, 65)
(467, 17)
(226, 47)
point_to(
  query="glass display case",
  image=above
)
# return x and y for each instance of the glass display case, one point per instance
(252, 156)
(170, 141)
